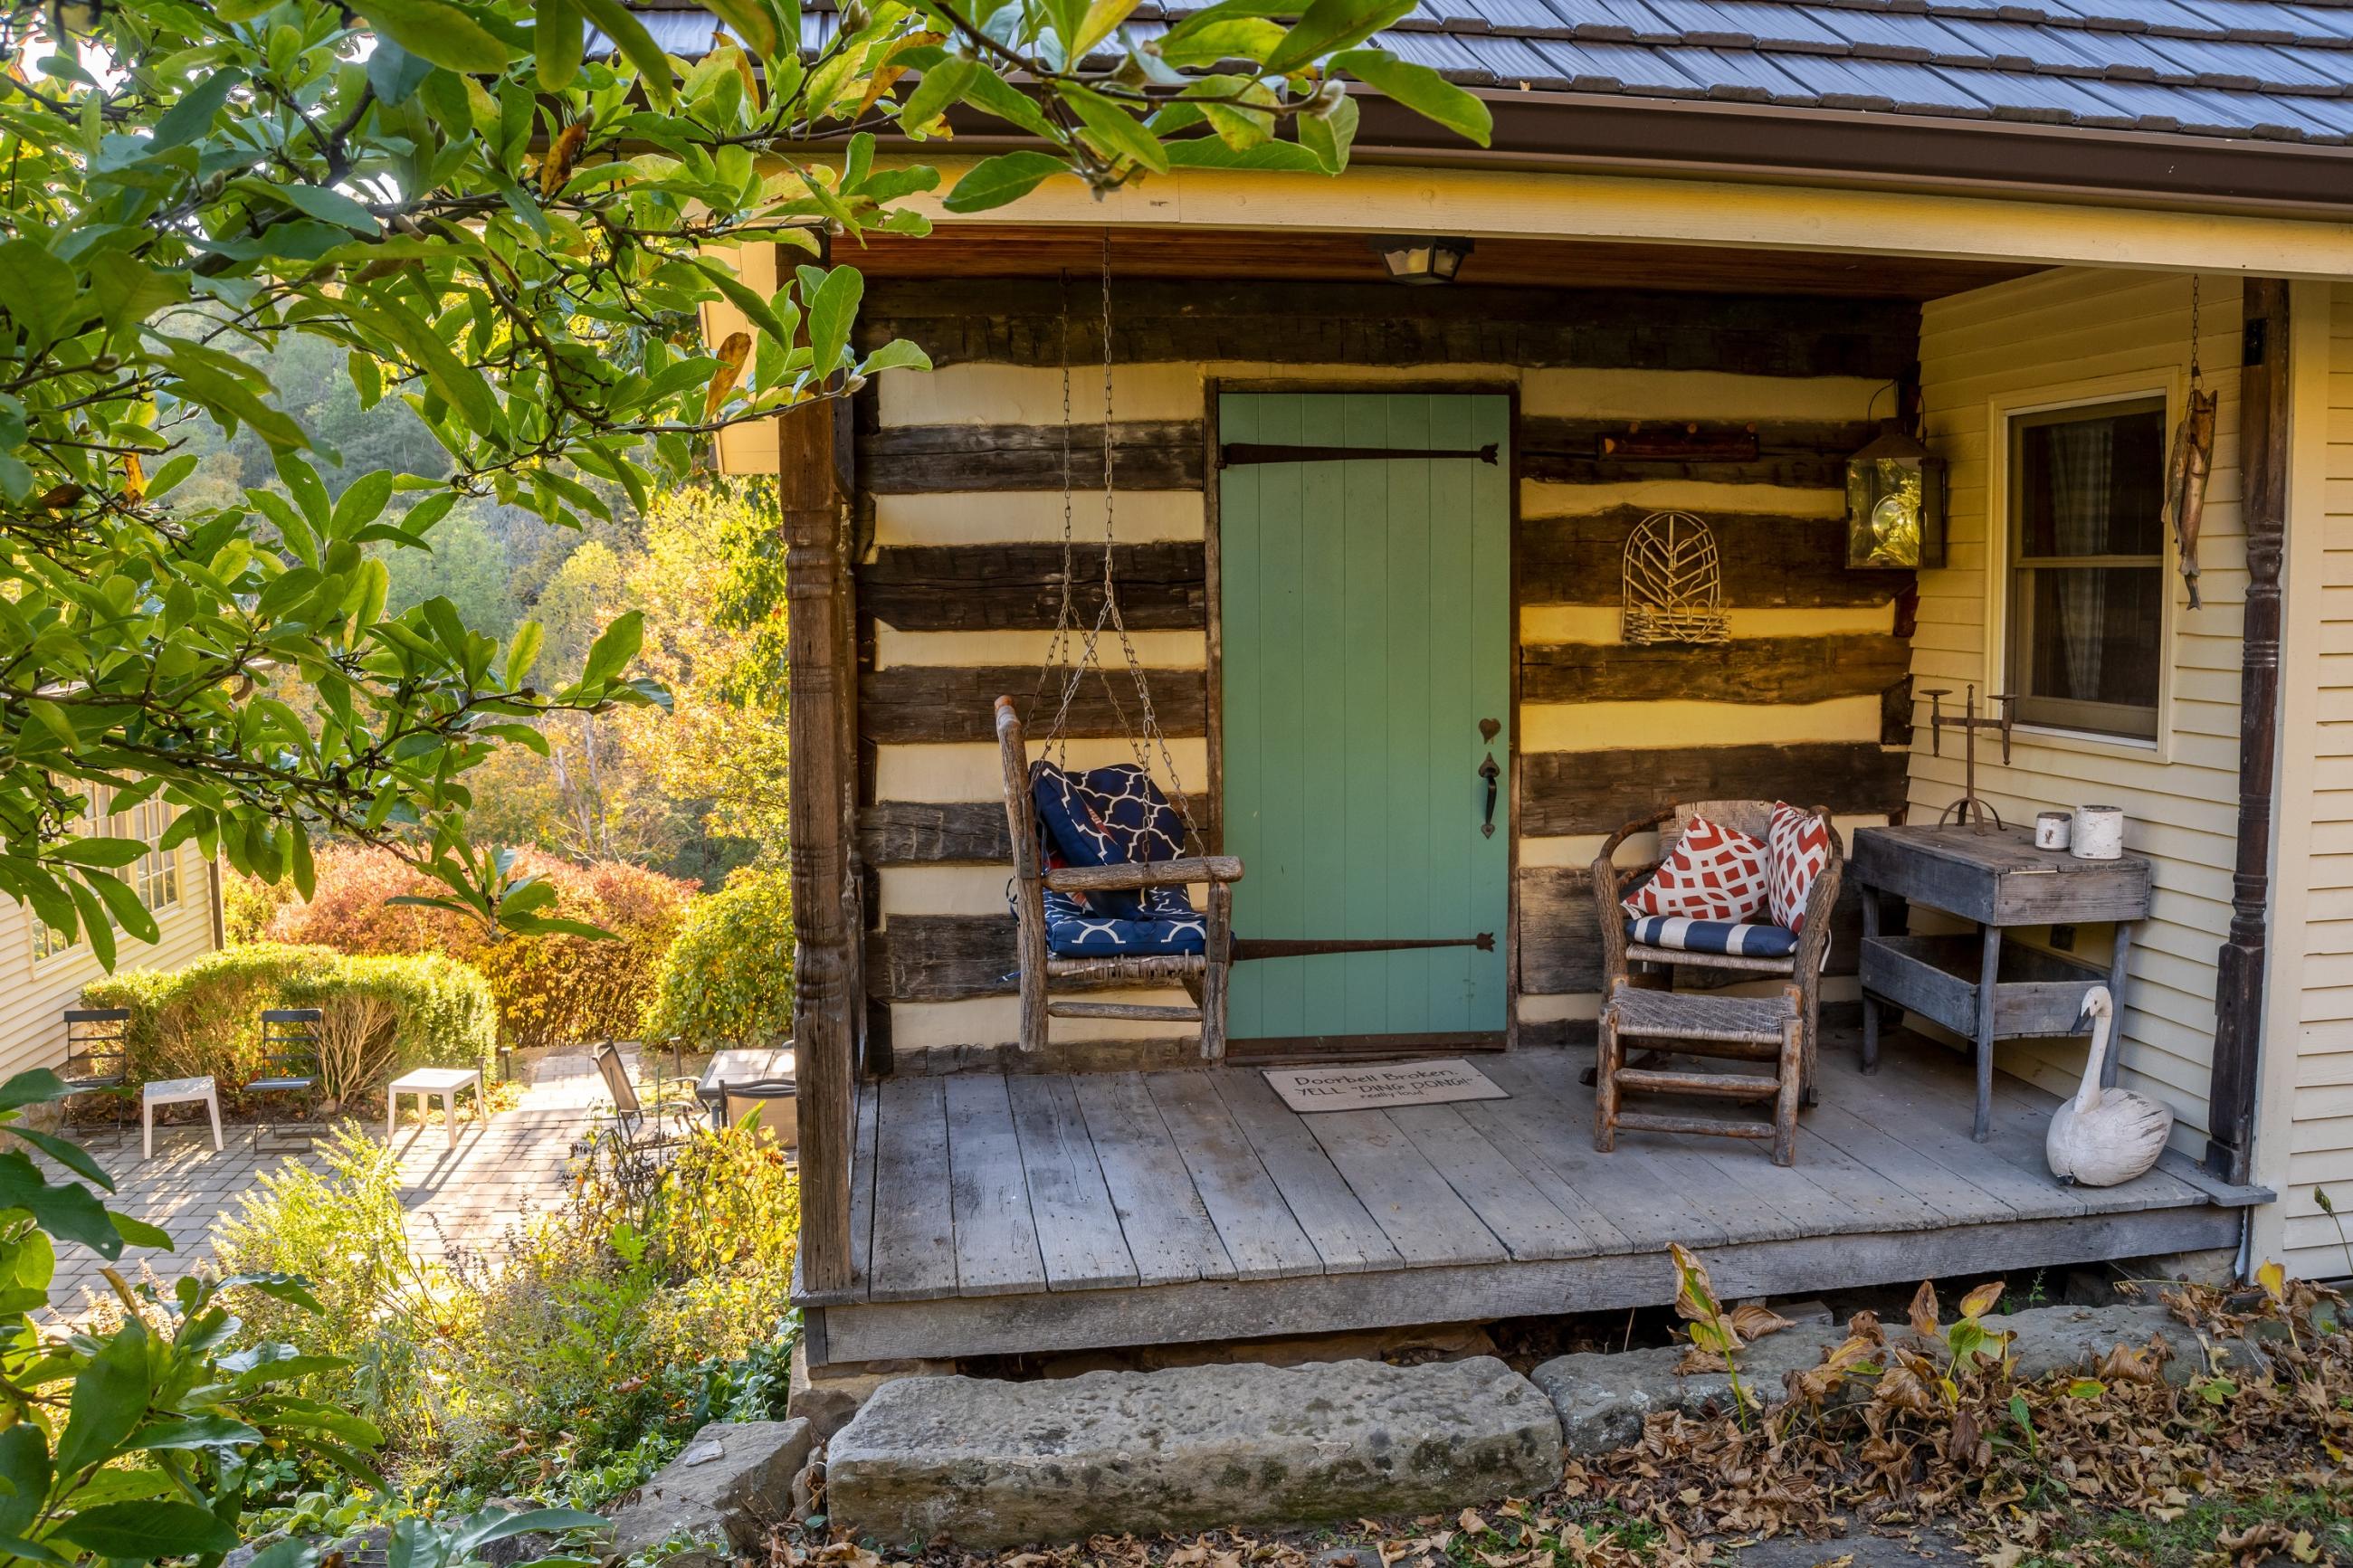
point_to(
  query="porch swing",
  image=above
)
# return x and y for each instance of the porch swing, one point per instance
(1101, 870)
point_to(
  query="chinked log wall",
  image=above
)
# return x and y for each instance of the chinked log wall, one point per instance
(1808, 701)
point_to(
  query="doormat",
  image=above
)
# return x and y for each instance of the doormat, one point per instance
(1376, 1088)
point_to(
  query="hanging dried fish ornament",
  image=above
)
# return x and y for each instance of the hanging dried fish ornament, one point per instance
(1673, 582)
(2191, 461)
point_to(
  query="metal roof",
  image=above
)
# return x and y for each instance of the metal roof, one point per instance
(2228, 69)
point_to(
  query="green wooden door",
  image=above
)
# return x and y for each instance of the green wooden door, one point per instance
(1366, 612)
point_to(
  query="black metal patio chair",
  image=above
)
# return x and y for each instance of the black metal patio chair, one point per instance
(98, 1056)
(772, 1102)
(289, 1070)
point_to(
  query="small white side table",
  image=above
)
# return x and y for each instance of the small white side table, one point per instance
(175, 1091)
(425, 1082)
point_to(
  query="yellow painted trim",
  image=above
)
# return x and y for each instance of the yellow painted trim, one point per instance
(1139, 517)
(972, 770)
(1605, 623)
(1541, 499)
(1593, 726)
(1027, 650)
(1506, 204)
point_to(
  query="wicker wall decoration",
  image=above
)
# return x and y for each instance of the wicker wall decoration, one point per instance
(1673, 582)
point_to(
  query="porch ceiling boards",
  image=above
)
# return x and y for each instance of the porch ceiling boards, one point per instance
(1019, 1213)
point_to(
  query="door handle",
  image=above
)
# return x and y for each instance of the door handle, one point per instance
(1491, 773)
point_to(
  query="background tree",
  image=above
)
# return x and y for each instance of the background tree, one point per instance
(514, 240)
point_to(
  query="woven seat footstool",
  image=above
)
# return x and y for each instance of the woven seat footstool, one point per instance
(1768, 1029)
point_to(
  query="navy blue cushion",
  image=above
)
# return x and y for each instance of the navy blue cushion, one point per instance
(1111, 817)
(1738, 939)
(1171, 925)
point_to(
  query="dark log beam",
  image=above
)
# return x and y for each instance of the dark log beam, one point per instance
(1600, 792)
(934, 832)
(1748, 669)
(930, 703)
(1036, 323)
(2263, 409)
(1770, 561)
(1016, 587)
(930, 459)
(1798, 454)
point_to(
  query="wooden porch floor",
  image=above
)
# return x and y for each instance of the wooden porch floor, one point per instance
(999, 1213)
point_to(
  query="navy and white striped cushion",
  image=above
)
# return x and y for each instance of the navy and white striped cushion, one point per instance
(1738, 939)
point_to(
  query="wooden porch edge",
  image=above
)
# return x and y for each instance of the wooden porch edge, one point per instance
(1240, 1309)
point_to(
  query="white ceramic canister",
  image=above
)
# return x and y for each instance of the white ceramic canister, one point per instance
(2098, 833)
(2050, 829)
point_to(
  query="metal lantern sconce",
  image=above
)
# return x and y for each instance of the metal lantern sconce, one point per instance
(1422, 259)
(1894, 504)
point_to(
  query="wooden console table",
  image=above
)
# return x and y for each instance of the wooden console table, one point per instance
(1973, 985)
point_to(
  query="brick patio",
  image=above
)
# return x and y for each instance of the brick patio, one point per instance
(464, 1198)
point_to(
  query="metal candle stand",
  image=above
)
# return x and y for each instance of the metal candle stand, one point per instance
(1970, 809)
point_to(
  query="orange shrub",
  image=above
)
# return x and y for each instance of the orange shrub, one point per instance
(550, 989)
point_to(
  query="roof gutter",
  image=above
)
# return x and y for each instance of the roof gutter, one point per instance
(1609, 132)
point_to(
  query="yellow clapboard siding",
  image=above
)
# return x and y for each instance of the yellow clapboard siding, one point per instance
(33, 995)
(2056, 337)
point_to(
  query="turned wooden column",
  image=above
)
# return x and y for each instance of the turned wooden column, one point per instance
(2263, 402)
(814, 491)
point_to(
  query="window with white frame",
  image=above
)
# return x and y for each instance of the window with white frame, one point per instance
(155, 876)
(2087, 567)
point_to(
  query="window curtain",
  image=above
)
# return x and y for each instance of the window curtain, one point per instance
(2082, 468)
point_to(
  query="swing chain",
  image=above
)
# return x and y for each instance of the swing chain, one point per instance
(1149, 740)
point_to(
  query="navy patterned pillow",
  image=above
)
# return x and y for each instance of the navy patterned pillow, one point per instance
(1106, 817)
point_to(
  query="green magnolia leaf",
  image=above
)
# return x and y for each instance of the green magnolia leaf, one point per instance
(1007, 177)
(192, 116)
(332, 206)
(136, 1532)
(832, 312)
(621, 25)
(436, 31)
(36, 288)
(1115, 132)
(943, 88)
(195, 1432)
(1331, 134)
(750, 20)
(611, 652)
(1421, 89)
(559, 39)
(23, 1476)
(1331, 25)
(109, 1399)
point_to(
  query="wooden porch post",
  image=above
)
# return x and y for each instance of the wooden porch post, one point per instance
(2264, 406)
(814, 490)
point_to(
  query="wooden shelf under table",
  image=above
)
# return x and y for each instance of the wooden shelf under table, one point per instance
(2036, 994)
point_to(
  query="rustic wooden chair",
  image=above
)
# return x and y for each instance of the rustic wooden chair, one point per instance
(1780, 1029)
(1201, 974)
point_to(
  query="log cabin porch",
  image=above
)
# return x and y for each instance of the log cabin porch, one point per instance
(995, 1212)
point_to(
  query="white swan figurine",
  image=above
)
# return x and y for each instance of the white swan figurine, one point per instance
(2105, 1136)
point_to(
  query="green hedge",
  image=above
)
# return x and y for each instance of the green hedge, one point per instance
(727, 979)
(382, 1015)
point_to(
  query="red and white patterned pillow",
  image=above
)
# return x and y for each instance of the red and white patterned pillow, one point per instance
(1717, 873)
(1800, 843)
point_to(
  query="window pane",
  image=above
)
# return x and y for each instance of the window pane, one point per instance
(2094, 633)
(2093, 487)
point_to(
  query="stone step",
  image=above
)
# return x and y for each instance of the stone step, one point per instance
(989, 1464)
